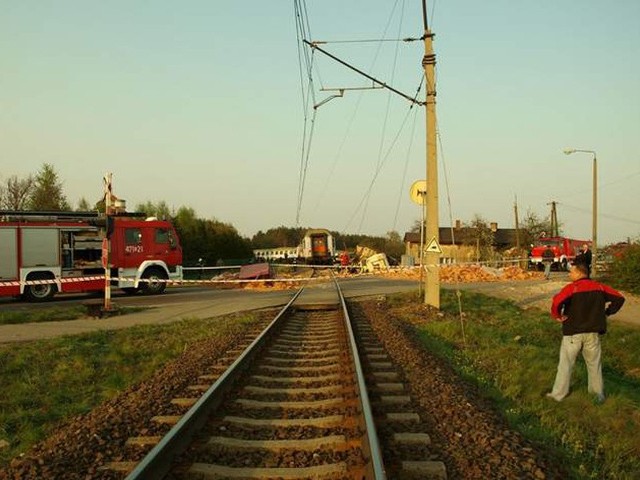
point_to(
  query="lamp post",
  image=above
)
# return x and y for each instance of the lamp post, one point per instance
(594, 208)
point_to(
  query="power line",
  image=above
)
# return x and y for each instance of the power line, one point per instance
(304, 164)
(386, 116)
(380, 40)
(600, 214)
(308, 96)
(401, 193)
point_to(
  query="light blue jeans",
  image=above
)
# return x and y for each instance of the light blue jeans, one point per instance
(547, 270)
(589, 344)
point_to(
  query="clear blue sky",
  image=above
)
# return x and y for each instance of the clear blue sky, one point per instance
(199, 103)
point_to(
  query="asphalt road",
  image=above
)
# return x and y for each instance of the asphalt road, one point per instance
(352, 287)
(204, 302)
(180, 303)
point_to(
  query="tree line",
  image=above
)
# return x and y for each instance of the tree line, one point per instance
(42, 191)
(214, 241)
(208, 240)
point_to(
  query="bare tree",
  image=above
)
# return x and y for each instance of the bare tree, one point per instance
(477, 233)
(534, 227)
(14, 195)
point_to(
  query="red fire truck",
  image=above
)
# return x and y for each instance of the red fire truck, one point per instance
(43, 253)
(564, 251)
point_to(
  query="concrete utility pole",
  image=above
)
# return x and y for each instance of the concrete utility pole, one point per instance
(432, 279)
(594, 206)
(432, 251)
(515, 212)
(555, 231)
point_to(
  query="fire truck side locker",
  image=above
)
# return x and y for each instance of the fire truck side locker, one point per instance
(40, 247)
(8, 253)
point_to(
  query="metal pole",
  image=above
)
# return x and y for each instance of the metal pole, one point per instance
(432, 280)
(594, 232)
(423, 221)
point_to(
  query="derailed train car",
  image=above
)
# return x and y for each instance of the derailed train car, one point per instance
(318, 247)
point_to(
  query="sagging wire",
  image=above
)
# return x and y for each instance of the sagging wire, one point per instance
(388, 107)
(305, 166)
(406, 162)
(604, 215)
(405, 169)
(374, 40)
(377, 172)
(356, 109)
(308, 96)
(453, 237)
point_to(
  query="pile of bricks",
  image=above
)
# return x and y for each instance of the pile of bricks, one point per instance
(469, 274)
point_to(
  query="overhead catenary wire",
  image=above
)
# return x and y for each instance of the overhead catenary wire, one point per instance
(378, 170)
(386, 115)
(381, 158)
(604, 215)
(445, 174)
(308, 97)
(402, 192)
(356, 109)
(357, 70)
(371, 40)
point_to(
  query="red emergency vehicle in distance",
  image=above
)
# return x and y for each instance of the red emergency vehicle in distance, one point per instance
(48, 252)
(564, 251)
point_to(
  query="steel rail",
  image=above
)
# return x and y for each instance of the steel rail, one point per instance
(157, 463)
(373, 442)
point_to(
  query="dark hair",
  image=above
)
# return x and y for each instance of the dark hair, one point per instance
(581, 266)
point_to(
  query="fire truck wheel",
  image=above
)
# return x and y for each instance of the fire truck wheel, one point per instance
(154, 285)
(40, 293)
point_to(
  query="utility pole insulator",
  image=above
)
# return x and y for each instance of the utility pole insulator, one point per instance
(429, 59)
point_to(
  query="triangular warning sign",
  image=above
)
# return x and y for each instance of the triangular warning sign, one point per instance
(433, 246)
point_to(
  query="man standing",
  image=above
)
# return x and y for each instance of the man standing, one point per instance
(582, 307)
(585, 257)
(548, 257)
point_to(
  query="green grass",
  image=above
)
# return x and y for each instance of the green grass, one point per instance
(44, 315)
(55, 314)
(45, 381)
(512, 355)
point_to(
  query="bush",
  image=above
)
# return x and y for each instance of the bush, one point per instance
(624, 272)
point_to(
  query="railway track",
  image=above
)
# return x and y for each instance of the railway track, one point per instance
(293, 404)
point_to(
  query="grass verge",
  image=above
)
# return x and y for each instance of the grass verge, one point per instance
(45, 381)
(44, 315)
(59, 314)
(512, 355)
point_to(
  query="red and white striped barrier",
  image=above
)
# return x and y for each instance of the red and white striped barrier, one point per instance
(14, 283)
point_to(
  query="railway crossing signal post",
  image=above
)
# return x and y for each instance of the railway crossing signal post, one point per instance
(418, 195)
(432, 256)
(106, 247)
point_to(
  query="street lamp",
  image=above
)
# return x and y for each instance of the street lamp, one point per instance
(594, 232)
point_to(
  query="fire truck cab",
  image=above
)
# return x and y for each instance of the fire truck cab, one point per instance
(44, 253)
(564, 251)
